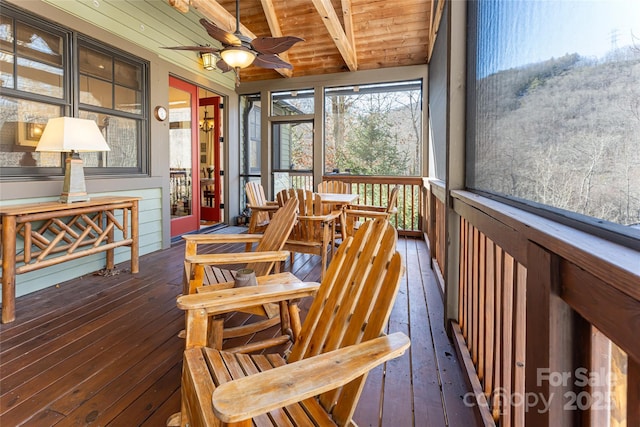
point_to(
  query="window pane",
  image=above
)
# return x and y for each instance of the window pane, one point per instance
(557, 118)
(39, 45)
(40, 78)
(6, 52)
(250, 110)
(6, 69)
(21, 124)
(128, 100)
(128, 75)
(122, 136)
(6, 33)
(291, 103)
(95, 64)
(374, 129)
(293, 146)
(95, 92)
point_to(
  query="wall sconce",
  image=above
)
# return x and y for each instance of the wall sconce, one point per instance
(208, 60)
(71, 134)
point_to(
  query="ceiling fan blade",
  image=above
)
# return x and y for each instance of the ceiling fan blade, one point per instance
(274, 45)
(271, 61)
(194, 48)
(219, 34)
(223, 66)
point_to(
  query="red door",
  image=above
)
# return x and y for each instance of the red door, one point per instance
(184, 174)
(210, 210)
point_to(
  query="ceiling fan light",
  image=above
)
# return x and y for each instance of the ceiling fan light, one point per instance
(208, 60)
(237, 56)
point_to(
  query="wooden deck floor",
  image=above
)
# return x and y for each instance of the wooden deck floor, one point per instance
(104, 351)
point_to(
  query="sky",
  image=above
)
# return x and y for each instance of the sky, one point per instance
(528, 31)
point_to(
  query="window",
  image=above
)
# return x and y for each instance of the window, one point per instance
(374, 129)
(42, 77)
(555, 111)
(250, 111)
(250, 148)
(111, 89)
(292, 103)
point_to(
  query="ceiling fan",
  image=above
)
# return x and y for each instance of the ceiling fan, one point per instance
(239, 51)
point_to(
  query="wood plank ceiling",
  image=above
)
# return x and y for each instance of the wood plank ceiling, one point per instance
(340, 35)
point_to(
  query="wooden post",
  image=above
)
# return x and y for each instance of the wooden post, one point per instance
(633, 393)
(135, 249)
(8, 269)
(111, 256)
(549, 341)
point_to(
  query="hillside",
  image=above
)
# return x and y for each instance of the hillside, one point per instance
(565, 133)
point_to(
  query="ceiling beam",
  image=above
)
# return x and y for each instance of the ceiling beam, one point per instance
(340, 38)
(347, 18)
(217, 14)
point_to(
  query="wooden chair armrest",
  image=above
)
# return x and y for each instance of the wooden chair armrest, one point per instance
(234, 299)
(324, 218)
(366, 208)
(237, 258)
(273, 203)
(367, 214)
(264, 208)
(203, 239)
(257, 394)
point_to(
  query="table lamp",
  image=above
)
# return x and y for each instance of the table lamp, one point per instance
(70, 134)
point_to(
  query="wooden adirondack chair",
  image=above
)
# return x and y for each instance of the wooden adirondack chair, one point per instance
(334, 187)
(354, 214)
(339, 187)
(202, 276)
(261, 209)
(314, 232)
(341, 340)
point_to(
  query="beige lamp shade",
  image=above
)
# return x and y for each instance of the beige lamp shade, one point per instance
(237, 56)
(64, 134)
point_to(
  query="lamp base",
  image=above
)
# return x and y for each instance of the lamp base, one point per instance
(74, 189)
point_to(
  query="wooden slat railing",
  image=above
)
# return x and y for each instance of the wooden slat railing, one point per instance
(491, 317)
(303, 180)
(548, 317)
(436, 229)
(374, 190)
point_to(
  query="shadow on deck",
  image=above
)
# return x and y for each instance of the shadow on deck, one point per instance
(104, 350)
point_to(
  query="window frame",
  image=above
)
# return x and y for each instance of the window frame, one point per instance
(70, 104)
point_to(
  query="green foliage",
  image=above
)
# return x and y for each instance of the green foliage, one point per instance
(372, 150)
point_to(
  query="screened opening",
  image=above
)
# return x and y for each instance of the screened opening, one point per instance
(554, 108)
(374, 129)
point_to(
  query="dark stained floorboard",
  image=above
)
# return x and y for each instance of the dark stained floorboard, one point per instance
(104, 350)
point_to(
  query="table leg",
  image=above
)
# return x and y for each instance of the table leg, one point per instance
(135, 250)
(8, 269)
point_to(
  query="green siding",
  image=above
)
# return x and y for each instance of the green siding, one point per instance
(142, 23)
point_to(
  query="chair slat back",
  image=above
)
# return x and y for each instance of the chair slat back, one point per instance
(334, 187)
(309, 204)
(275, 235)
(353, 304)
(256, 197)
(393, 199)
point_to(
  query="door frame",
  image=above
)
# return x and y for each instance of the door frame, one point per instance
(189, 223)
(216, 102)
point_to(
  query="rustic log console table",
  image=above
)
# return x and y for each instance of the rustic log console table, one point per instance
(54, 232)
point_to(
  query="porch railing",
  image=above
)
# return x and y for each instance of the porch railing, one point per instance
(548, 317)
(435, 194)
(375, 190)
